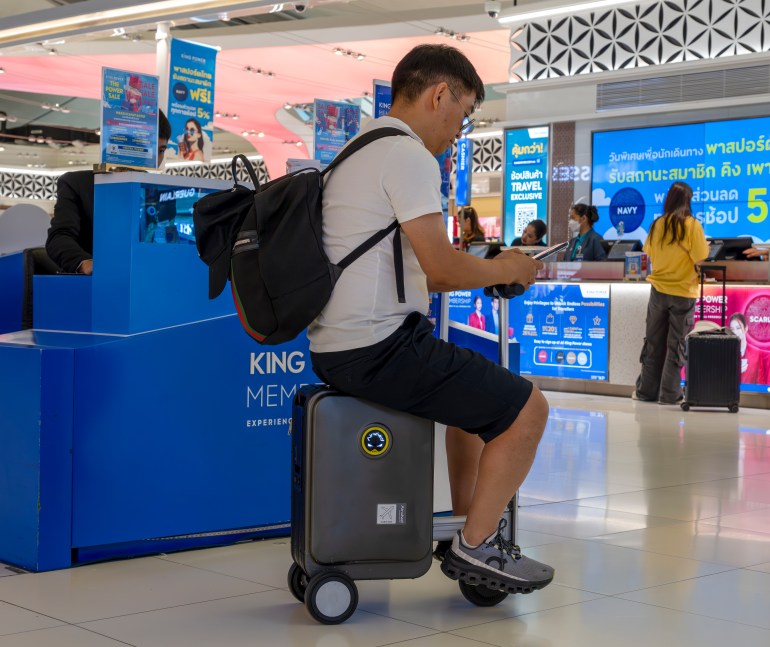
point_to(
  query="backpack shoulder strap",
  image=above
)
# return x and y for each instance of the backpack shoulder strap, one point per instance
(359, 142)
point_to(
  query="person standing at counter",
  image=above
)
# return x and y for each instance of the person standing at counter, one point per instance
(676, 245)
(533, 234)
(585, 243)
(368, 344)
(472, 231)
(70, 240)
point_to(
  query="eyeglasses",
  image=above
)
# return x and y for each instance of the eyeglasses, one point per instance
(468, 123)
(192, 131)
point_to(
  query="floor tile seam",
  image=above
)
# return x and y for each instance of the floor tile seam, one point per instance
(79, 623)
(729, 567)
(677, 581)
(439, 633)
(760, 506)
(710, 616)
(45, 615)
(213, 572)
(407, 622)
(752, 530)
(66, 624)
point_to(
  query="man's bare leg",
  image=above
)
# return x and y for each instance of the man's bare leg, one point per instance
(505, 463)
(463, 452)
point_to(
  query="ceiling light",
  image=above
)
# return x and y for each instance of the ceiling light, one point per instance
(2, 71)
(452, 34)
(119, 31)
(559, 8)
(258, 71)
(287, 106)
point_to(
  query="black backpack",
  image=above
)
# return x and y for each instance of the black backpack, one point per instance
(268, 242)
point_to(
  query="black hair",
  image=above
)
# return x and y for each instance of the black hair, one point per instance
(541, 229)
(427, 65)
(164, 127)
(588, 210)
(676, 209)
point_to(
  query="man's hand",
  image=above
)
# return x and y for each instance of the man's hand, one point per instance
(86, 267)
(519, 267)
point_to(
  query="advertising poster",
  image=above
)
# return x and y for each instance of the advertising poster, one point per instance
(335, 123)
(166, 214)
(747, 314)
(525, 182)
(725, 163)
(381, 99)
(129, 119)
(562, 330)
(191, 100)
(464, 170)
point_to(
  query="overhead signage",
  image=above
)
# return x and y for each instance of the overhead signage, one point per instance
(464, 170)
(190, 111)
(725, 163)
(336, 122)
(382, 99)
(525, 183)
(129, 119)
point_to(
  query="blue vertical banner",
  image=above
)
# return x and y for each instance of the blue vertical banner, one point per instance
(191, 100)
(129, 119)
(381, 100)
(464, 170)
(445, 168)
(525, 184)
(336, 122)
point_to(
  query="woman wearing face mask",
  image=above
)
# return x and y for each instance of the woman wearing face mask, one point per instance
(585, 243)
(676, 245)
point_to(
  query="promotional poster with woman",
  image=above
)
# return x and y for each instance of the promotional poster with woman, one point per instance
(191, 101)
(747, 314)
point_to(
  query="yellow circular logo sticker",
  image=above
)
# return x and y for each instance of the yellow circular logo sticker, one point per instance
(375, 440)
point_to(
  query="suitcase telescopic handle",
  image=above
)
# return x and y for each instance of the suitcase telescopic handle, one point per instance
(720, 268)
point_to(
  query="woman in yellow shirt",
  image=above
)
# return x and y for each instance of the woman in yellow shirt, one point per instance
(676, 244)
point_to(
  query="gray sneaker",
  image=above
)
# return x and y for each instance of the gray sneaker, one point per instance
(497, 564)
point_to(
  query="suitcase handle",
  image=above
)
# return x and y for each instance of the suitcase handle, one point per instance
(723, 269)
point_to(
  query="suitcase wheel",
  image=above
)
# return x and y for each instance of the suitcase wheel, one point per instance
(685, 406)
(297, 582)
(480, 595)
(734, 408)
(331, 598)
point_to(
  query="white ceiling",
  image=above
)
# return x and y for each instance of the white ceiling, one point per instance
(296, 45)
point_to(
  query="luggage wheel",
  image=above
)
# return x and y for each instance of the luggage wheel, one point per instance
(331, 598)
(297, 581)
(480, 595)
(734, 408)
(685, 406)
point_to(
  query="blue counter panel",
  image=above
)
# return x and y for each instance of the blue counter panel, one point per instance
(62, 302)
(183, 430)
(35, 443)
(11, 291)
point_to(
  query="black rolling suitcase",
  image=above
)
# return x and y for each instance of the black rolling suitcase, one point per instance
(361, 500)
(712, 361)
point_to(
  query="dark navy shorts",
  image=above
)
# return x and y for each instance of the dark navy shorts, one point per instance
(414, 371)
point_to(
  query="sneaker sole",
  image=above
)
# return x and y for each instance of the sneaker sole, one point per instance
(456, 568)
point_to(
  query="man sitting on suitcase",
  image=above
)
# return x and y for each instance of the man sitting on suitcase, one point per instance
(367, 344)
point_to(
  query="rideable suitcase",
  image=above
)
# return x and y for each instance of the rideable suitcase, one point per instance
(712, 360)
(361, 500)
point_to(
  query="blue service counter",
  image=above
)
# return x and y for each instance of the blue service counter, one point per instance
(137, 416)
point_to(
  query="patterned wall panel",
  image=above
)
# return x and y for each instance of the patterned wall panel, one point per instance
(638, 36)
(22, 186)
(487, 155)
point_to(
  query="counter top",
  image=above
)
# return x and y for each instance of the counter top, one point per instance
(737, 271)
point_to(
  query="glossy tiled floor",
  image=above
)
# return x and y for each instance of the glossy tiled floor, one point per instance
(657, 522)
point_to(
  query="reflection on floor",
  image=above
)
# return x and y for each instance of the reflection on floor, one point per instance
(657, 522)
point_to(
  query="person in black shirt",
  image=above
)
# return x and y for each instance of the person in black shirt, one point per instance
(70, 240)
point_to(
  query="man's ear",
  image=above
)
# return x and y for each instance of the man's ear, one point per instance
(436, 92)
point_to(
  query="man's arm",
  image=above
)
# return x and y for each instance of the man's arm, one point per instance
(63, 243)
(450, 269)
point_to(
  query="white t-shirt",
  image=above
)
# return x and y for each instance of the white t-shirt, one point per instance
(393, 177)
